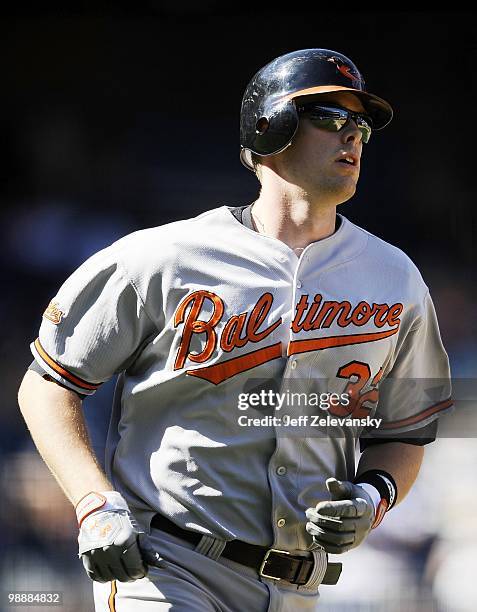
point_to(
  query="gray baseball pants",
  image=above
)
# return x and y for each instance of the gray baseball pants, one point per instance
(193, 582)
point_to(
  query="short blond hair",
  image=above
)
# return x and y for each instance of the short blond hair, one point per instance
(257, 165)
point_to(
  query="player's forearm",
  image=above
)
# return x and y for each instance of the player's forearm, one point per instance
(55, 419)
(401, 460)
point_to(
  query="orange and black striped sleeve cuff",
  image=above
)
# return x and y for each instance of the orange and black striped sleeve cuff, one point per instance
(416, 419)
(60, 373)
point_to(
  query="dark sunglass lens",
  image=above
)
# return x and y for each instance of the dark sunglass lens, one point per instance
(328, 118)
(331, 124)
(333, 119)
(366, 132)
(365, 128)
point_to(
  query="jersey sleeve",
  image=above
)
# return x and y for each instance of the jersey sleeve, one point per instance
(417, 389)
(94, 327)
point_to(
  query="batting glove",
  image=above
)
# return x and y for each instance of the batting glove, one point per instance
(111, 544)
(342, 523)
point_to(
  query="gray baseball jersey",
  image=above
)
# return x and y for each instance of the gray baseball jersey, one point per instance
(198, 315)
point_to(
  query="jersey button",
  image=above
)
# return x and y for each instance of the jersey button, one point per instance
(281, 522)
(293, 364)
(282, 470)
(298, 284)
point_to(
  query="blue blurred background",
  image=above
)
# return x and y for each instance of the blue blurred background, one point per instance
(124, 116)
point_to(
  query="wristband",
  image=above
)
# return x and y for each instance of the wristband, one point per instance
(385, 485)
(383, 482)
(92, 502)
(373, 493)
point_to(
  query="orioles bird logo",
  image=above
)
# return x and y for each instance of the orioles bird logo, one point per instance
(53, 313)
(344, 69)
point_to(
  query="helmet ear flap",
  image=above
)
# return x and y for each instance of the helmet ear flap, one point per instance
(274, 127)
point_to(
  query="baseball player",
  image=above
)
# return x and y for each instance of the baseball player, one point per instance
(221, 491)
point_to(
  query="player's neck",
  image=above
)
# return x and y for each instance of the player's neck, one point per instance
(295, 221)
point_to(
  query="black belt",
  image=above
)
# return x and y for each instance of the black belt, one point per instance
(269, 563)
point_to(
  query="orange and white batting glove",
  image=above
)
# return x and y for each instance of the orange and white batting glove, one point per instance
(111, 544)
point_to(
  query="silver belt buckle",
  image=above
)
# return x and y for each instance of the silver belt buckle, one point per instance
(265, 558)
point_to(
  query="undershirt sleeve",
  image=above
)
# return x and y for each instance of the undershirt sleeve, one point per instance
(36, 367)
(423, 435)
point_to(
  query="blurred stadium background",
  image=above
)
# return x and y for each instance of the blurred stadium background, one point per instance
(126, 116)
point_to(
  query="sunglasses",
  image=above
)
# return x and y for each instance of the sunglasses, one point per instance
(334, 118)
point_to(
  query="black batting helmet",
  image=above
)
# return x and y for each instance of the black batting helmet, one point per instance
(269, 119)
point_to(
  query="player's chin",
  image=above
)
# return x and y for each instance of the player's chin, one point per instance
(346, 191)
